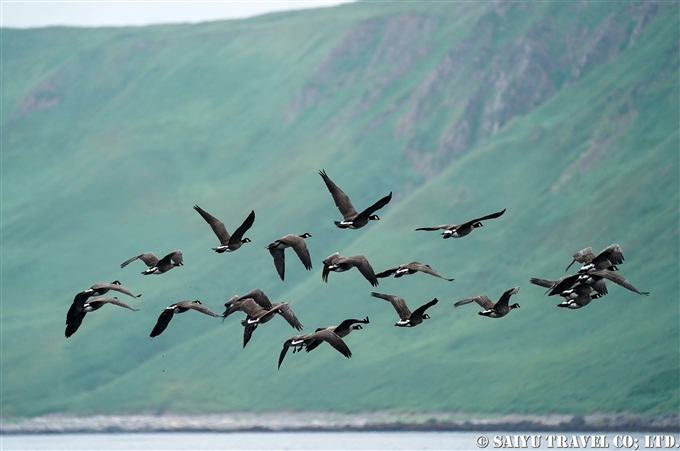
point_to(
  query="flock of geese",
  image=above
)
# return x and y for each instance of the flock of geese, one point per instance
(578, 290)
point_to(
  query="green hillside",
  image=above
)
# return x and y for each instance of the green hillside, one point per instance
(564, 113)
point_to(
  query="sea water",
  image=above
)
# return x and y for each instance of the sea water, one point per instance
(338, 441)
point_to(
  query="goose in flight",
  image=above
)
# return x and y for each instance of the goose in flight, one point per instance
(407, 318)
(98, 289)
(297, 242)
(566, 283)
(497, 310)
(227, 243)
(461, 230)
(337, 263)
(410, 268)
(156, 266)
(178, 307)
(341, 330)
(76, 313)
(297, 342)
(352, 219)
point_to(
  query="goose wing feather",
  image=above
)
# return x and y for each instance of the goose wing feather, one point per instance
(332, 339)
(505, 297)
(612, 253)
(163, 321)
(340, 198)
(248, 330)
(237, 236)
(328, 261)
(583, 256)
(279, 261)
(288, 314)
(215, 224)
(426, 269)
(483, 300)
(439, 227)
(375, 207)
(364, 267)
(483, 218)
(619, 280)
(345, 327)
(259, 297)
(114, 301)
(74, 323)
(115, 287)
(299, 245)
(398, 303)
(420, 311)
(148, 258)
(203, 309)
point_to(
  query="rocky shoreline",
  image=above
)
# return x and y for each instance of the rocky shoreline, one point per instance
(333, 421)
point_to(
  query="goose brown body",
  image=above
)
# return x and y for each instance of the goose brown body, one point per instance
(158, 266)
(497, 310)
(297, 242)
(179, 307)
(352, 219)
(228, 243)
(464, 229)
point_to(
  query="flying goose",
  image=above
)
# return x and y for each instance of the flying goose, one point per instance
(97, 289)
(407, 319)
(352, 219)
(178, 307)
(566, 283)
(236, 302)
(608, 258)
(155, 265)
(227, 243)
(297, 242)
(341, 264)
(410, 268)
(579, 295)
(256, 315)
(297, 342)
(498, 310)
(76, 312)
(578, 301)
(341, 330)
(461, 230)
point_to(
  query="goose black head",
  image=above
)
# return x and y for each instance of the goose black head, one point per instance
(305, 235)
(357, 327)
(477, 224)
(115, 282)
(514, 306)
(426, 316)
(374, 218)
(245, 240)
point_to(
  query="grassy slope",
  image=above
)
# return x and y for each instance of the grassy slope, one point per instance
(151, 121)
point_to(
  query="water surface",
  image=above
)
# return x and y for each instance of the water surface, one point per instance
(318, 441)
